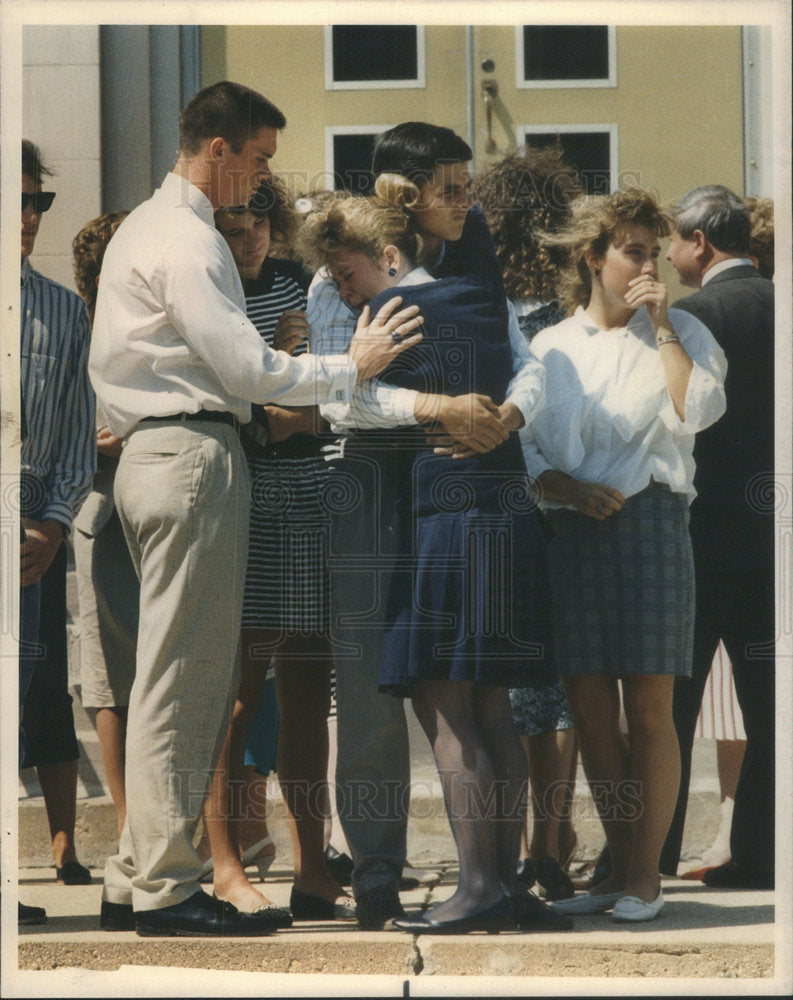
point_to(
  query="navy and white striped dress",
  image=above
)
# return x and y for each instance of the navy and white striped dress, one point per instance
(286, 586)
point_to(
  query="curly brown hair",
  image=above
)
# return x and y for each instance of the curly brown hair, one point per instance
(597, 222)
(761, 242)
(88, 250)
(527, 193)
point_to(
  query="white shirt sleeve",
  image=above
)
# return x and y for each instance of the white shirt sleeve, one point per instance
(527, 387)
(705, 397)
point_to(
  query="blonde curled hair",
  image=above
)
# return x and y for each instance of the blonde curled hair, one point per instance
(597, 222)
(354, 224)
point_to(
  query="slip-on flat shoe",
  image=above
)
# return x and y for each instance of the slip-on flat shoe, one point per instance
(116, 916)
(493, 919)
(631, 909)
(695, 874)
(587, 903)
(73, 873)
(737, 876)
(304, 906)
(201, 916)
(280, 916)
(29, 915)
(531, 914)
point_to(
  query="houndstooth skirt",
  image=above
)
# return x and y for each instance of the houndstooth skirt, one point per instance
(623, 588)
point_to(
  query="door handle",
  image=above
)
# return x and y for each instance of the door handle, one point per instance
(489, 95)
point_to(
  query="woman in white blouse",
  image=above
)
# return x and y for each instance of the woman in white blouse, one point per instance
(628, 384)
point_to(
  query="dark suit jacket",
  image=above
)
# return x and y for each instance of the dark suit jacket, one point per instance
(735, 456)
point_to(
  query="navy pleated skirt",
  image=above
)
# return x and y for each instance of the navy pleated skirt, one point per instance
(623, 588)
(471, 602)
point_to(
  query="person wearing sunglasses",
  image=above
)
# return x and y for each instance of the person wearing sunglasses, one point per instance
(58, 457)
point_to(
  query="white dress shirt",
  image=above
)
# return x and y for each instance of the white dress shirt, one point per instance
(725, 265)
(332, 324)
(170, 331)
(608, 415)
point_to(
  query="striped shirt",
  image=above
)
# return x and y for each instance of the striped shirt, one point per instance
(59, 444)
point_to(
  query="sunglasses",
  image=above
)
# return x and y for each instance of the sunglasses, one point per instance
(41, 201)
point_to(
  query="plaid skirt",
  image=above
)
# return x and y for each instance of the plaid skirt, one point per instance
(623, 588)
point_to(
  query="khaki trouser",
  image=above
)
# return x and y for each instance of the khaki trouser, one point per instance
(182, 492)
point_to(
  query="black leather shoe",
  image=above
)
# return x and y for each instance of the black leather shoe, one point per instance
(493, 919)
(375, 908)
(73, 873)
(531, 914)
(201, 916)
(527, 874)
(116, 916)
(29, 915)
(339, 865)
(304, 906)
(738, 876)
(552, 881)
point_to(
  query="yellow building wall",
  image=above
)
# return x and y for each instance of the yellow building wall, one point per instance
(677, 103)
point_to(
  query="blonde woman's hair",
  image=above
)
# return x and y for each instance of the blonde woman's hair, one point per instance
(597, 222)
(354, 224)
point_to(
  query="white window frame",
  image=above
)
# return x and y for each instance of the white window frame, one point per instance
(334, 130)
(419, 83)
(524, 133)
(523, 84)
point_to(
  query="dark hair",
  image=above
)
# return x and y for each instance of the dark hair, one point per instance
(719, 213)
(416, 149)
(228, 110)
(88, 249)
(32, 164)
(272, 200)
(525, 194)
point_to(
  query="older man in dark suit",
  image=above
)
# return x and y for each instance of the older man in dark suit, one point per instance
(732, 521)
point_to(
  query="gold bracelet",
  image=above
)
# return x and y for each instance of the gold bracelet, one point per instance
(674, 339)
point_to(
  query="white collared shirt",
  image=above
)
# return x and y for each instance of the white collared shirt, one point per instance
(170, 331)
(608, 415)
(725, 265)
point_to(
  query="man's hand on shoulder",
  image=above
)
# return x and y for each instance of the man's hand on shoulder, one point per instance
(378, 341)
(36, 553)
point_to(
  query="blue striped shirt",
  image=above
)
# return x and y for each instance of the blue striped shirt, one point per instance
(59, 444)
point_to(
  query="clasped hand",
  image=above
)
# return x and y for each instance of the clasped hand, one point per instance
(471, 424)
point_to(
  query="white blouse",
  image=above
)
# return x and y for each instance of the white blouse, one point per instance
(608, 415)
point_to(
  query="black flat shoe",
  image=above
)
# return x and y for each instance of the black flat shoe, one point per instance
(552, 881)
(201, 916)
(493, 919)
(527, 874)
(73, 873)
(304, 906)
(339, 865)
(116, 916)
(737, 876)
(29, 915)
(531, 914)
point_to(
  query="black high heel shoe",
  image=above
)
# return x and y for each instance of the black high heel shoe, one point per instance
(304, 906)
(495, 918)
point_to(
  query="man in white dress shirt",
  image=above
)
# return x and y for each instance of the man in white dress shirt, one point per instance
(175, 361)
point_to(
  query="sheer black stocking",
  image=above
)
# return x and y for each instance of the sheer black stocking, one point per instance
(464, 726)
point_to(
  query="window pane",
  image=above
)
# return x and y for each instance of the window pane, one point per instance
(374, 52)
(565, 52)
(588, 152)
(352, 161)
